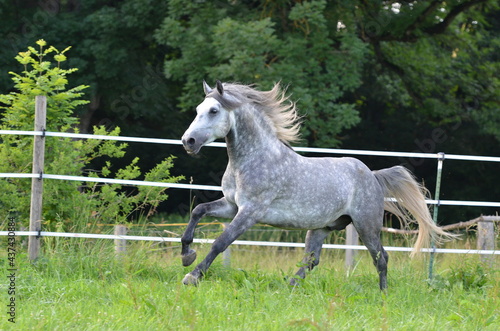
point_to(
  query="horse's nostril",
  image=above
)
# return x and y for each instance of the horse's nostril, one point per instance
(191, 141)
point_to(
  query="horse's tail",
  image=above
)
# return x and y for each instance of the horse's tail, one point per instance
(406, 198)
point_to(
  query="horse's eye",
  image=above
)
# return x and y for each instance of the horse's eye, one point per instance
(213, 111)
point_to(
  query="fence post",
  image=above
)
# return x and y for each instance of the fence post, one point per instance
(486, 239)
(441, 157)
(120, 244)
(351, 239)
(37, 183)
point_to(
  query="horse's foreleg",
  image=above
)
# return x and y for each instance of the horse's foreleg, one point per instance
(314, 242)
(218, 208)
(242, 221)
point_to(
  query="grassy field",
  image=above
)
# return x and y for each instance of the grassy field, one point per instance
(80, 285)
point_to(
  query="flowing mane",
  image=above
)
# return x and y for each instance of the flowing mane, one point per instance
(273, 103)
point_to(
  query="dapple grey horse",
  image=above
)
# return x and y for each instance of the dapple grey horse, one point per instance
(267, 182)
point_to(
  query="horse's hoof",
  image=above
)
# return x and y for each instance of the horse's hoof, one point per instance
(190, 280)
(294, 281)
(189, 258)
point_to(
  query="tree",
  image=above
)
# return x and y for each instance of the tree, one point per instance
(328, 53)
(297, 45)
(431, 84)
(440, 57)
(114, 50)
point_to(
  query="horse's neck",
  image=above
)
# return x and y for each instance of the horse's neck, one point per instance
(251, 134)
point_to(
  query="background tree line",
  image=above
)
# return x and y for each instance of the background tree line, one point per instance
(382, 75)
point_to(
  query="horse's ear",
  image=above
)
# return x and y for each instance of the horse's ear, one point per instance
(206, 88)
(220, 88)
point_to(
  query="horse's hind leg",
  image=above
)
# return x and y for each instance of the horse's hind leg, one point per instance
(380, 260)
(217, 208)
(314, 242)
(371, 239)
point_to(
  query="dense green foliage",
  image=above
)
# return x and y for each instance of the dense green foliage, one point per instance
(66, 203)
(82, 285)
(320, 64)
(383, 75)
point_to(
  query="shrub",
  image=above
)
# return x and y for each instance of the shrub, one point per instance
(66, 203)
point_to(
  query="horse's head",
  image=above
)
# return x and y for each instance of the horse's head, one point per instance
(212, 121)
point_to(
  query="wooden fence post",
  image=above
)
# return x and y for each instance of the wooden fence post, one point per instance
(37, 183)
(486, 239)
(120, 244)
(351, 239)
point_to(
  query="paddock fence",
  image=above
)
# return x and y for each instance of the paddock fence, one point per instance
(35, 231)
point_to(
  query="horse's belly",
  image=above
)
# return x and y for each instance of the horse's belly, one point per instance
(305, 217)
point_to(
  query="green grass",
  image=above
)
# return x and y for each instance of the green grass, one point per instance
(80, 285)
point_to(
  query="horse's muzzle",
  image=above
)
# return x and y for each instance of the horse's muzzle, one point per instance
(188, 143)
(193, 143)
(189, 146)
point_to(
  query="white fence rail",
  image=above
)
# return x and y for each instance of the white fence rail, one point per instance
(241, 242)
(210, 187)
(221, 144)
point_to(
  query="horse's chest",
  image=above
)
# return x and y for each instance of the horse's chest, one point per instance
(241, 185)
(229, 187)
